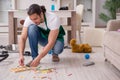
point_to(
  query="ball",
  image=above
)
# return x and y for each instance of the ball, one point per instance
(87, 56)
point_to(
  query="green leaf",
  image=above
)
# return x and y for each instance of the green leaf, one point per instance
(111, 6)
(104, 17)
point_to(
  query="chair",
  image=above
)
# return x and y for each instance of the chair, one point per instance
(79, 14)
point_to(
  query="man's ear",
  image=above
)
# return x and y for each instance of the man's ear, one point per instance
(41, 14)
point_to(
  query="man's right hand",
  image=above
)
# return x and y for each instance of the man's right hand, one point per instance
(21, 61)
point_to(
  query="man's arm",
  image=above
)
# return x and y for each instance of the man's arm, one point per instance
(51, 41)
(22, 42)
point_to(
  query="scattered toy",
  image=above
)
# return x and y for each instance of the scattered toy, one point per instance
(88, 63)
(80, 48)
(69, 74)
(20, 69)
(87, 56)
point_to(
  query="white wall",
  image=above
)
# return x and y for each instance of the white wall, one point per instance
(99, 9)
(69, 3)
(78, 2)
(24, 4)
(3, 17)
(4, 5)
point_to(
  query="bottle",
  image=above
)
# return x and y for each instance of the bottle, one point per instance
(52, 7)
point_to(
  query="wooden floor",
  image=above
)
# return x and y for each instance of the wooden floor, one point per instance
(70, 67)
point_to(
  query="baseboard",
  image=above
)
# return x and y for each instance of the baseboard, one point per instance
(100, 26)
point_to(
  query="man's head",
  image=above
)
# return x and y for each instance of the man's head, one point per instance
(36, 13)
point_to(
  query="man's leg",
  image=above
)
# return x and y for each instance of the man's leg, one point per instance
(57, 49)
(34, 35)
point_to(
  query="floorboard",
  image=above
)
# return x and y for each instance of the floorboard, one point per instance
(70, 67)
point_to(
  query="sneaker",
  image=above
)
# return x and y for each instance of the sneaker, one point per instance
(29, 63)
(55, 58)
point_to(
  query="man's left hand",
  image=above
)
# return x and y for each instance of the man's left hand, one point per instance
(35, 62)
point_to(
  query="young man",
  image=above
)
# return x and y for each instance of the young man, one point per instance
(44, 28)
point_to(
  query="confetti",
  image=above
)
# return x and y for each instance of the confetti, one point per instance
(20, 69)
(46, 70)
(21, 77)
(43, 77)
(69, 74)
(49, 70)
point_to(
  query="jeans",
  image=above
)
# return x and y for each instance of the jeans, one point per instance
(35, 37)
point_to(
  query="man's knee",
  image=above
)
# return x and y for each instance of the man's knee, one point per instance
(58, 48)
(32, 28)
(58, 51)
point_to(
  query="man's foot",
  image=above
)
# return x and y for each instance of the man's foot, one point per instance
(29, 63)
(55, 58)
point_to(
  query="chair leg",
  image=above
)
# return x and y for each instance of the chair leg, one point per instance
(79, 34)
(67, 46)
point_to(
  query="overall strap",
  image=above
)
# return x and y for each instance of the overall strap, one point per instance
(45, 21)
(61, 31)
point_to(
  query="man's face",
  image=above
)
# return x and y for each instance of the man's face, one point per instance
(35, 18)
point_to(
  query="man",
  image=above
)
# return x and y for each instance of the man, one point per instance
(42, 28)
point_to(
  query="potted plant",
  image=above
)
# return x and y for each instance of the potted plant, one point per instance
(111, 6)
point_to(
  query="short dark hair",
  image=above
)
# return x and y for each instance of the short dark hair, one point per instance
(35, 8)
